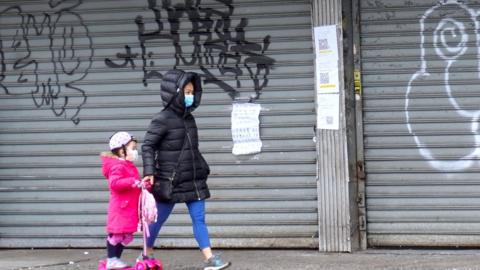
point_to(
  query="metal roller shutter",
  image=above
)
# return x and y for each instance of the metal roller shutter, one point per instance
(73, 72)
(421, 77)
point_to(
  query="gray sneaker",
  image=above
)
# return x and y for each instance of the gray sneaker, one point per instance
(215, 263)
(142, 257)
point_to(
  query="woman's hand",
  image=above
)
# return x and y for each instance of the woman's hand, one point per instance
(149, 179)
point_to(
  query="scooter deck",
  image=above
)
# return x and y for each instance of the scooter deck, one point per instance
(102, 265)
(143, 265)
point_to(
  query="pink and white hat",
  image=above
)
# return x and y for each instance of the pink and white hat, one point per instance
(120, 139)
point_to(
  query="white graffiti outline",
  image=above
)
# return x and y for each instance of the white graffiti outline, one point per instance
(466, 161)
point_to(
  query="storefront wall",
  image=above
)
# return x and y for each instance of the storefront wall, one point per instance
(74, 72)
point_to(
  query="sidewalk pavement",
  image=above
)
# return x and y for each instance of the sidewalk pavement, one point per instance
(247, 259)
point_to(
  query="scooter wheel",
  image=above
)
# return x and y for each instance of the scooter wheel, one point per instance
(141, 266)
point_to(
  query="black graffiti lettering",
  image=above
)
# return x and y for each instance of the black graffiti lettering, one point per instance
(68, 52)
(127, 57)
(216, 44)
(48, 96)
(64, 4)
(143, 37)
(256, 63)
(21, 79)
(231, 68)
(211, 79)
(148, 74)
(151, 74)
(83, 97)
(57, 91)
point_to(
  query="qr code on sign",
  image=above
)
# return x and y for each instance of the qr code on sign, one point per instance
(324, 78)
(323, 44)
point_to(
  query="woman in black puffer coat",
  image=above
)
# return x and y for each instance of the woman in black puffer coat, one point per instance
(170, 155)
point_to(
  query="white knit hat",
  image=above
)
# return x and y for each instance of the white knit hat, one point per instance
(120, 139)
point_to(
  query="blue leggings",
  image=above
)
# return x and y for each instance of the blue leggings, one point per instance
(197, 213)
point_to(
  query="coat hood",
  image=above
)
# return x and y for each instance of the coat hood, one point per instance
(109, 161)
(172, 94)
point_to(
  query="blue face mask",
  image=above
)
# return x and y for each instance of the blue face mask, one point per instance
(188, 100)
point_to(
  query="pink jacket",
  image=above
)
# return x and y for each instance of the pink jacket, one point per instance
(123, 204)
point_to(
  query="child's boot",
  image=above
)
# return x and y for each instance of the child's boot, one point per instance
(115, 263)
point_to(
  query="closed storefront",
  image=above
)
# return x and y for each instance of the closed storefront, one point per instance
(74, 72)
(420, 75)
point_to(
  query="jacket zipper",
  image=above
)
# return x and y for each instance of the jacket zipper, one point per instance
(193, 162)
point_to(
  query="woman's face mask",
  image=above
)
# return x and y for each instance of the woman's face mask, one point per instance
(188, 91)
(189, 100)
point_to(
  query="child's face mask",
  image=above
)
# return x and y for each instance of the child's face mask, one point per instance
(188, 100)
(133, 154)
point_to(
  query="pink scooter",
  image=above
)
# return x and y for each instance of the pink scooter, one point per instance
(146, 208)
(145, 264)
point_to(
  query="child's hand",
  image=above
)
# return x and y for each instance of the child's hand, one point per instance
(136, 184)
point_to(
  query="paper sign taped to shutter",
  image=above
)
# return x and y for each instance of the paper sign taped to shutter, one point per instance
(327, 80)
(246, 129)
(326, 59)
(326, 45)
(328, 111)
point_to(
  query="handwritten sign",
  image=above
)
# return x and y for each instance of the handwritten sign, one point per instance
(246, 129)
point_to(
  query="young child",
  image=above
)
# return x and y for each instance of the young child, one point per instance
(123, 182)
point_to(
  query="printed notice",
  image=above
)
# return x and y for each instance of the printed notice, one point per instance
(246, 129)
(328, 111)
(326, 59)
(326, 45)
(327, 80)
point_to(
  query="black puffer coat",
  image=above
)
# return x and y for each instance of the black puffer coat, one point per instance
(166, 135)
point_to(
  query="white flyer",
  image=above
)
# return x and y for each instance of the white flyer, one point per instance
(246, 128)
(328, 111)
(327, 80)
(326, 59)
(326, 45)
